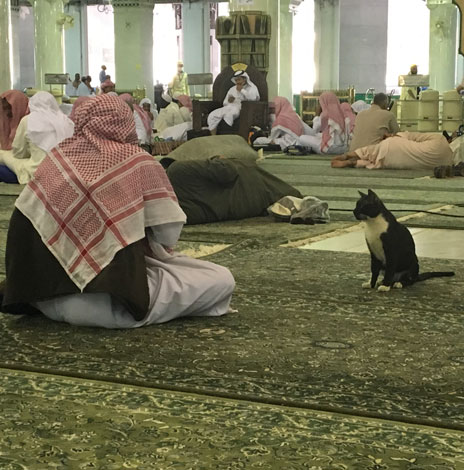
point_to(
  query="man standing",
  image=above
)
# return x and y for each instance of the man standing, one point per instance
(179, 84)
(372, 125)
(102, 75)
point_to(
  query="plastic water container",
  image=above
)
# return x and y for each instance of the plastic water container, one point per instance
(428, 111)
(409, 115)
(452, 115)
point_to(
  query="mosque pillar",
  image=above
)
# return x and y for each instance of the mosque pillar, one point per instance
(48, 40)
(73, 40)
(285, 64)
(133, 45)
(327, 43)
(196, 37)
(5, 69)
(15, 62)
(279, 77)
(442, 44)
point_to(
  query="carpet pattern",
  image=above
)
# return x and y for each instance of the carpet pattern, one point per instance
(307, 337)
(312, 372)
(54, 422)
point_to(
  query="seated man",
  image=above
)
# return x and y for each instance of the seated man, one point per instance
(143, 124)
(333, 135)
(373, 124)
(286, 128)
(100, 218)
(244, 90)
(403, 151)
(107, 86)
(169, 116)
(14, 105)
(178, 132)
(84, 88)
(37, 133)
(224, 188)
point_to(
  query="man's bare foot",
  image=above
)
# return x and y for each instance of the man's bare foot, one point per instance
(338, 163)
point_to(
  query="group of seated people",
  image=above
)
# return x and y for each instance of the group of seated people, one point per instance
(368, 139)
(31, 127)
(96, 202)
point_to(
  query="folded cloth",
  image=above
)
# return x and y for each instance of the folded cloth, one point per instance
(311, 211)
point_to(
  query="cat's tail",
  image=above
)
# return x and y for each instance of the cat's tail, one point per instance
(424, 276)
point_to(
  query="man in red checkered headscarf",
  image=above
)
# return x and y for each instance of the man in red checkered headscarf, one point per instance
(91, 239)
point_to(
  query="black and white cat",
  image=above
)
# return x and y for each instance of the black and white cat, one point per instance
(391, 246)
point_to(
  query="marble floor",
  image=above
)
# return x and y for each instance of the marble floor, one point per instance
(430, 243)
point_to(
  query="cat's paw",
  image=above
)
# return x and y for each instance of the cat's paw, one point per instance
(366, 285)
(383, 288)
(397, 285)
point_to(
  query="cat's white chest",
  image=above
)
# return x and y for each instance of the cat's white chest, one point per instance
(373, 228)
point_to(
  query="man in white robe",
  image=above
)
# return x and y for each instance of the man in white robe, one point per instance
(244, 90)
(38, 132)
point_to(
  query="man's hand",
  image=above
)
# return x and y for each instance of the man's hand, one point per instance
(231, 99)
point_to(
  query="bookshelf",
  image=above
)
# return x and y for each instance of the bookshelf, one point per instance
(244, 37)
(309, 101)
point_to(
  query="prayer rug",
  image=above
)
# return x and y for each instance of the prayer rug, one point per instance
(306, 334)
(56, 422)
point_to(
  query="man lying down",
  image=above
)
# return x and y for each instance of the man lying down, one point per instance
(218, 188)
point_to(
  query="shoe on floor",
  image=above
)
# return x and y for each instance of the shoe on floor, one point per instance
(458, 169)
(444, 171)
(279, 212)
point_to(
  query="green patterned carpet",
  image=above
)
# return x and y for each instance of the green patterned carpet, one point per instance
(306, 334)
(54, 422)
(312, 372)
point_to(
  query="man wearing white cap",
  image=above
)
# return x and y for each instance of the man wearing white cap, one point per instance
(244, 90)
(179, 83)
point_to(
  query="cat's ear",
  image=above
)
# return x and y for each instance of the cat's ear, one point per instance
(362, 194)
(372, 194)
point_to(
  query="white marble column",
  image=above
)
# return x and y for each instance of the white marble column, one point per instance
(279, 77)
(442, 45)
(49, 40)
(73, 41)
(196, 37)
(5, 69)
(285, 64)
(15, 62)
(327, 43)
(133, 44)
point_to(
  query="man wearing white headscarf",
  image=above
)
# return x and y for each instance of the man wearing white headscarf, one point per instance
(147, 106)
(244, 90)
(37, 133)
(359, 106)
(168, 116)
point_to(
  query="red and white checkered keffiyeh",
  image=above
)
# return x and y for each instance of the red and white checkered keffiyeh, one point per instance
(96, 192)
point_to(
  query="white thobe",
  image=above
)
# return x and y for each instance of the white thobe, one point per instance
(231, 111)
(338, 144)
(24, 156)
(179, 286)
(143, 136)
(168, 116)
(83, 90)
